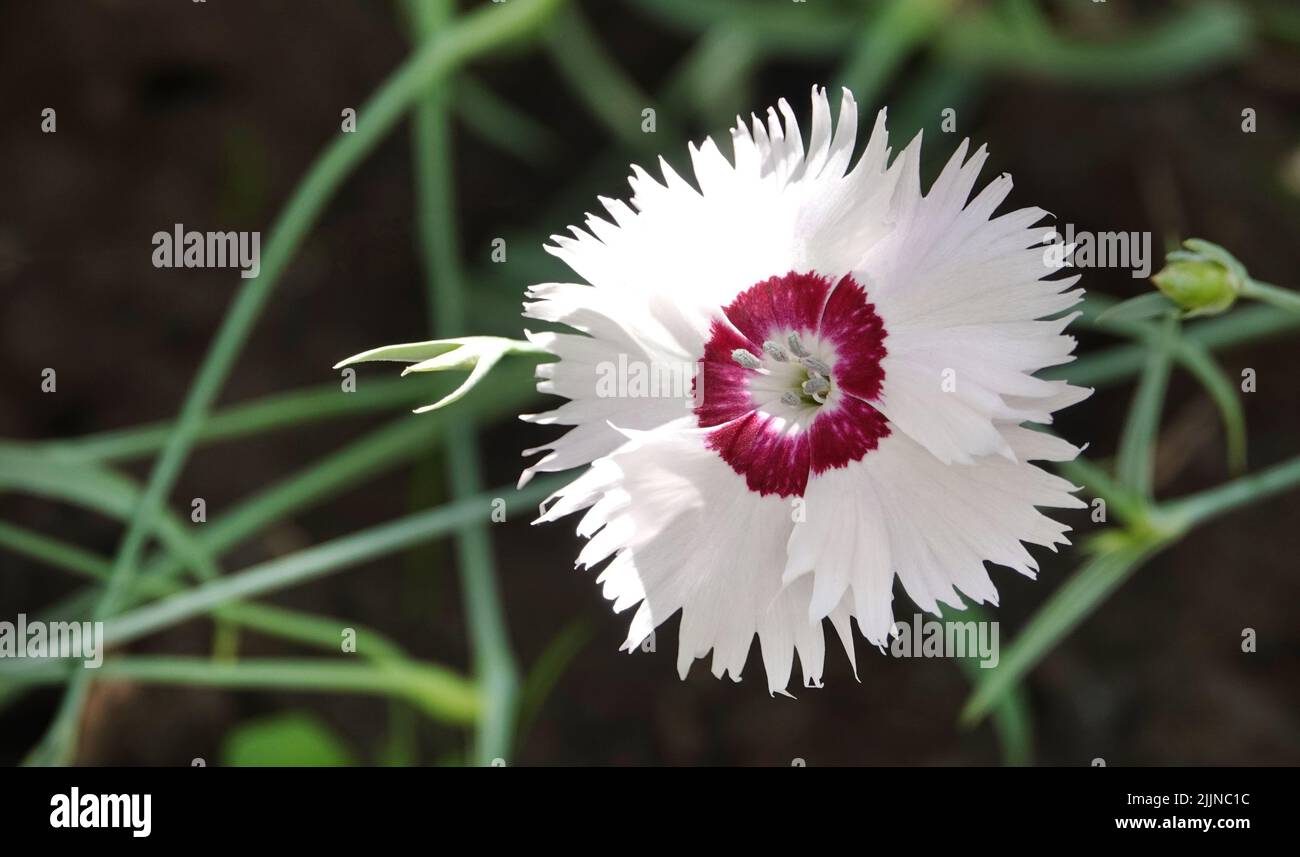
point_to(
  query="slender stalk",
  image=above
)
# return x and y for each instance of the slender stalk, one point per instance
(319, 561)
(273, 621)
(54, 552)
(1137, 443)
(1284, 299)
(1013, 722)
(1240, 492)
(1073, 601)
(1127, 506)
(469, 36)
(366, 458)
(270, 413)
(1197, 359)
(1252, 324)
(500, 123)
(438, 692)
(892, 31)
(494, 661)
(1203, 35)
(608, 93)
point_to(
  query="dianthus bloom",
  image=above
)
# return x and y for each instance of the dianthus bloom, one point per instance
(866, 359)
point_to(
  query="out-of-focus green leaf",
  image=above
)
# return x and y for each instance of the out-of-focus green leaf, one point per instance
(1141, 308)
(295, 739)
(1197, 37)
(547, 670)
(792, 29)
(1135, 462)
(1064, 610)
(501, 124)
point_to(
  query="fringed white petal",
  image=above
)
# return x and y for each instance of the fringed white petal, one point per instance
(962, 295)
(682, 533)
(900, 511)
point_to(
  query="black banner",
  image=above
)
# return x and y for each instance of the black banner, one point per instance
(129, 806)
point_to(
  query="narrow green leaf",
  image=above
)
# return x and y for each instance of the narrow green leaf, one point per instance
(321, 560)
(1284, 299)
(1198, 360)
(548, 669)
(1145, 306)
(409, 352)
(99, 489)
(1065, 608)
(54, 552)
(437, 691)
(1136, 457)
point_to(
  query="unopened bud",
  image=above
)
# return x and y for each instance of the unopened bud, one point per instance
(1199, 286)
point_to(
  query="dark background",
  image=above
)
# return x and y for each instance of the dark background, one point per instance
(208, 114)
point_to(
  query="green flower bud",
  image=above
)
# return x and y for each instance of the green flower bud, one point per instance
(1199, 285)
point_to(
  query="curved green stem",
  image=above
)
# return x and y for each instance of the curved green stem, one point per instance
(320, 560)
(470, 36)
(1285, 299)
(1203, 35)
(495, 665)
(1067, 606)
(1134, 464)
(438, 692)
(1240, 492)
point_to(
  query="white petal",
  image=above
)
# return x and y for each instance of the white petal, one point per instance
(685, 534)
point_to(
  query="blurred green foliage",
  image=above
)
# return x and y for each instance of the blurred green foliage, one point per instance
(954, 52)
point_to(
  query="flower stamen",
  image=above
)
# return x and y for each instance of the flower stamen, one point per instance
(818, 366)
(745, 359)
(816, 384)
(796, 346)
(775, 351)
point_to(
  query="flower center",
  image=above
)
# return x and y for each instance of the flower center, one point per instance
(790, 370)
(803, 378)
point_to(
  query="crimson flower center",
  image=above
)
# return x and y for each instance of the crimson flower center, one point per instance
(790, 372)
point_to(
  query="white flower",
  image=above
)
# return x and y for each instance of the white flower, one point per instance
(868, 357)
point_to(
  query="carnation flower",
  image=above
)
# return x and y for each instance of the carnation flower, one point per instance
(866, 361)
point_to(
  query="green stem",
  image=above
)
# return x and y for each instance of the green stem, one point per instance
(274, 621)
(1137, 443)
(270, 413)
(1012, 719)
(440, 693)
(54, 552)
(1073, 601)
(1130, 508)
(439, 244)
(1284, 299)
(1253, 324)
(502, 392)
(470, 36)
(320, 560)
(606, 90)
(501, 124)
(1197, 359)
(1198, 508)
(1121, 553)
(1201, 36)
(889, 35)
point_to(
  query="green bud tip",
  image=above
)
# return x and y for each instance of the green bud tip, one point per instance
(1199, 285)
